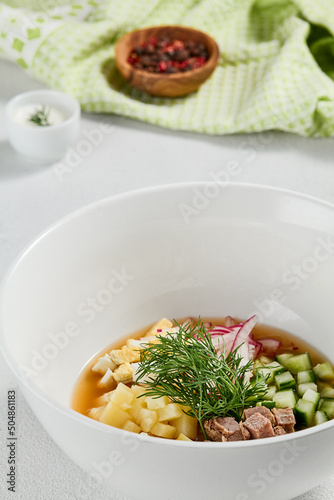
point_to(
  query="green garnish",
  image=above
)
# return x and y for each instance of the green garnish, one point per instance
(186, 367)
(41, 117)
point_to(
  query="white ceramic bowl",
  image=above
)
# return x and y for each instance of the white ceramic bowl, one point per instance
(172, 251)
(43, 144)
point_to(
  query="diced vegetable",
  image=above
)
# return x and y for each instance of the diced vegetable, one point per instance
(265, 360)
(302, 388)
(285, 381)
(267, 404)
(312, 396)
(282, 358)
(305, 411)
(122, 396)
(156, 403)
(285, 399)
(328, 407)
(182, 437)
(325, 371)
(305, 377)
(299, 363)
(164, 430)
(136, 407)
(113, 415)
(131, 427)
(95, 412)
(269, 371)
(320, 417)
(325, 390)
(270, 392)
(147, 419)
(185, 425)
(169, 412)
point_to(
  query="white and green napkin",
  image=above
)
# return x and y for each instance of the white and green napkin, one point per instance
(267, 77)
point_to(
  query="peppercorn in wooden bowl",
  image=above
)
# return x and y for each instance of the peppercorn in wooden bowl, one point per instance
(166, 61)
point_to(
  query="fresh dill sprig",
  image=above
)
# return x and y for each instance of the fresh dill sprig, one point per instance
(186, 367)
(41, 117)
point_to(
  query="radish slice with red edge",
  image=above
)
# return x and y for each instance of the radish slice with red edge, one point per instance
(270, 344)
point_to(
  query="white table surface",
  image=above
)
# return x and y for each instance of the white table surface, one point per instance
(132, 156)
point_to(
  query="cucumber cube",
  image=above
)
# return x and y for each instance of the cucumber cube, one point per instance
(282, 358)
(299, 363)
(305, 377)
(265, 360)
(285, 381)
(302, 388)
(270, 370)
(267, 404)
(328, 407)
(275, 367)
(320, 417)
(312, 396)
(305, 411)
(285, 399)
(270, 392)
(257, 364)
(326, 391)
(266, 373)
(325, 371)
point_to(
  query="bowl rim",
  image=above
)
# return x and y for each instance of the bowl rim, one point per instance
(214, 56)
(29, 384)
(13, 103)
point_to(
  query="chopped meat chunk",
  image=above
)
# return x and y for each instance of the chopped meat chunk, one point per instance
(244, 431)
(242, 434)
(279, 431)
(260, 409)
(285, 418)
(220, 428)
(236, 436)
(259, 426)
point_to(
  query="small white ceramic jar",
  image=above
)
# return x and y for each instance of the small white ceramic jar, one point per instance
(38, 143)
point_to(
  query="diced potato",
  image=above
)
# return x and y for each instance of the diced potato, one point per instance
(103, 363)
(124, 355)
(147, 419)
(95, 413)
(138, 390)
(113, 415)
(170, 412)
(107, 380)
(122, 396)
(131, 427)
(162, 324)
(182, 437)
(156, 403)
(123, 373)
(186, 425)
(163, 430)
(105, 398)
(137, 406)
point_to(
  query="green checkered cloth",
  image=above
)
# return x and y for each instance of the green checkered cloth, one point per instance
(274, 72)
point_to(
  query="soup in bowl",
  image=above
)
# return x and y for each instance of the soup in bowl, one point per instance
(188, 250)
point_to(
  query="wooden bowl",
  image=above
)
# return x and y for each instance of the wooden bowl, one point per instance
(162, 84)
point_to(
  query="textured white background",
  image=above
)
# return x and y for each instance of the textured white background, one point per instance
(132, 156)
